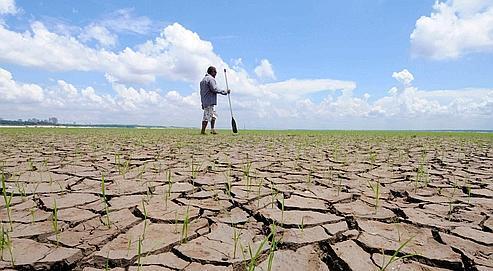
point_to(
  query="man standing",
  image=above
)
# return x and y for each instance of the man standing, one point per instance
(208, 96)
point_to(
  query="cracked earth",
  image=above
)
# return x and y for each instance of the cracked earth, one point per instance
(173, 200)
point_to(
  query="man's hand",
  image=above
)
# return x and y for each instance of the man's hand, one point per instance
(228, 91)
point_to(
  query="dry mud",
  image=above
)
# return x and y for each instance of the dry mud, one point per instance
(173, 200)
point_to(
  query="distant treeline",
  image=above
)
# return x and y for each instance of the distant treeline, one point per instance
(48, 123)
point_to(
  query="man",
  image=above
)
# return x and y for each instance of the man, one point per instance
(208, 96)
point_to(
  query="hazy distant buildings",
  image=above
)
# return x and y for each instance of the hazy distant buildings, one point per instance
(31, 121)
(53, 120)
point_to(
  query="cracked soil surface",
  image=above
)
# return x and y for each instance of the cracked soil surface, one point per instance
(119, 199)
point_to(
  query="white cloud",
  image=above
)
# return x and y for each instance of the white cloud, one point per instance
(45, 49)
(393, 91)
(89, 105)
(8, 7)
(104, 30)
(98, 33)
(404, 76)
(123, 20)
(120, 21)
(454, 28)
(90, 94)
(264, 70)
(470, 108)
(178, 54)
(69, 89)
(410, 103)
(238, 62)
(295, 88)
(11, 91)
(131, 98)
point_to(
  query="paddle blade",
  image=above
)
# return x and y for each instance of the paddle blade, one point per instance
(233, 124)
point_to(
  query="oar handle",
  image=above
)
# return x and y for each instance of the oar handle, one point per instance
(226, 78)
(227, 88)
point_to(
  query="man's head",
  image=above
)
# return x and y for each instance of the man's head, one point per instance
(212, 71)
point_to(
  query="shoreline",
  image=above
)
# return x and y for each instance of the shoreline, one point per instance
(226, 128)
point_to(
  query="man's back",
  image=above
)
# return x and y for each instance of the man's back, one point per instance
(208, 91)
(208, 96)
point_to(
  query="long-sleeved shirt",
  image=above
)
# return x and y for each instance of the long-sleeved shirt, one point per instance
(209, 91)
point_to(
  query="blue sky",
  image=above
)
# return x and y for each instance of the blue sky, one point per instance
(293, 64)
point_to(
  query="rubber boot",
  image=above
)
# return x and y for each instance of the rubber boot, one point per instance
(204, 125)
(213, 122)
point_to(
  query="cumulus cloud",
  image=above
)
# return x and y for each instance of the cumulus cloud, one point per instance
(264, 70)
(98, 33)
(14, 92)
(238, 62)
(404, 76)
(69, 89)
(42, 48)
(294, 88)
(88, 104)
(124, 21)
(454, 28)
(131, 98)
(341, 108)
(8, 7)
(105, 29)
(177, 54)
(393, 91)
(411, 103)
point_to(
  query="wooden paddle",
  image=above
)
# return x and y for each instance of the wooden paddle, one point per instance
(233, 122)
